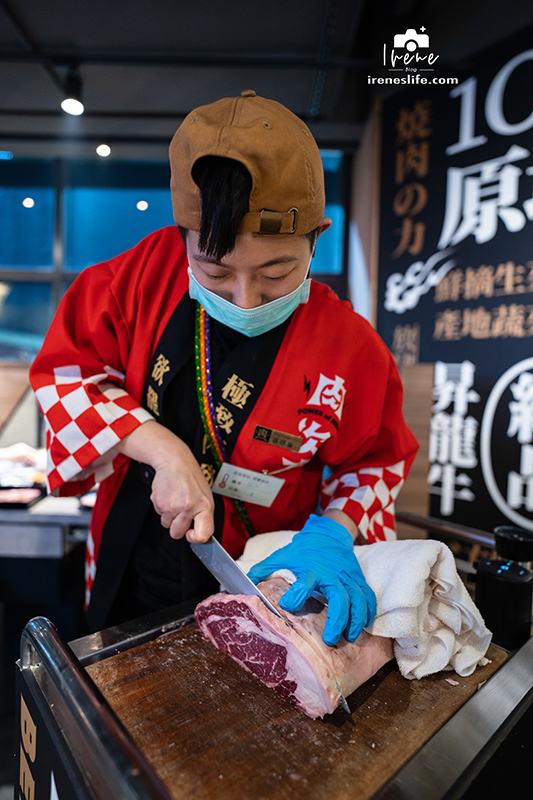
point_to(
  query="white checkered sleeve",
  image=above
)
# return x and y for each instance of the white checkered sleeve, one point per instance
(368, 496)
(85, 418)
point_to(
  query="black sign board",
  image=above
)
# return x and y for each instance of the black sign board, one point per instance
(456, 276)
(46, 768)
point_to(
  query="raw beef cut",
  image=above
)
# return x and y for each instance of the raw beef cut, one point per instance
(294, 661)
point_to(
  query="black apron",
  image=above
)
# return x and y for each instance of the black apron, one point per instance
(140, 568)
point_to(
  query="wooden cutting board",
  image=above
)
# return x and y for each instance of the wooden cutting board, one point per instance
(212, 730)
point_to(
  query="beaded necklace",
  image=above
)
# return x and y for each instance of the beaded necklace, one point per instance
(204, 389)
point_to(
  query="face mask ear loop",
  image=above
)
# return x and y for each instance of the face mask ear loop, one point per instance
(313, 248)
(308, 273)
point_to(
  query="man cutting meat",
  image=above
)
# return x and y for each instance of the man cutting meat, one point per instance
(206, 352)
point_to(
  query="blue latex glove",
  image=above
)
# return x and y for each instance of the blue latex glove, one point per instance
(322, 558)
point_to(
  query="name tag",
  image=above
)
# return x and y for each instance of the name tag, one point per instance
(277, 438)
(247, 485)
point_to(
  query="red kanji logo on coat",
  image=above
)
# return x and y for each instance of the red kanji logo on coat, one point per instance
(329, 392)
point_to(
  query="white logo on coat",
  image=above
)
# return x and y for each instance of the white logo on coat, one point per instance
(329, 392)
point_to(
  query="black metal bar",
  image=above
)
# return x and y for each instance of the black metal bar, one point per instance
(89, 137)
(450, 529)
(27, 112)
(34, 53)
(103, 644)
(197, 59)
(348, 145)
(27, 276)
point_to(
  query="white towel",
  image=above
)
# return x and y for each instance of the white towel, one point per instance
(422, 602)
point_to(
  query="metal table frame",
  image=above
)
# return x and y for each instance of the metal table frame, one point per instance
(99, 749)
(113, 766)
(40, 533)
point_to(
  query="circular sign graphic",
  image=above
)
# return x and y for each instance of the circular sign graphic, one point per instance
(485, 442)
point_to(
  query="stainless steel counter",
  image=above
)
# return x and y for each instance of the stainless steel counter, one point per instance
(54, 683)
(47, 529)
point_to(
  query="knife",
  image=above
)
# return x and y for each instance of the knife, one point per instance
(227, 572)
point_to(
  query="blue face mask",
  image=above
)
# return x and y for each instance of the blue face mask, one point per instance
(249, 321)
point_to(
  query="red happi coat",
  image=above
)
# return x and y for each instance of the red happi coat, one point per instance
(333, 383)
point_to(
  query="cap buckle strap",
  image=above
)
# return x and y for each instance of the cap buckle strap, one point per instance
(270, 222)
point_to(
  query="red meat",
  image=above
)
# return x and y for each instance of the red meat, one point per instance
(294, 661)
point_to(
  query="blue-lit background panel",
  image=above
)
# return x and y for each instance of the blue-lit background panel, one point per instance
(328, 258)
(100, 223)
(332, 161)
(27, 220)
(329, 247)
(26, 311)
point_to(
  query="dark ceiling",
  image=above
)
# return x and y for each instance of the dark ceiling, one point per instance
(145, 63)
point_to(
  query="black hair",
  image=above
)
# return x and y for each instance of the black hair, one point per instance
(225, 186)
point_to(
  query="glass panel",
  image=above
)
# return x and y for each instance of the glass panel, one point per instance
(103, 173)
(101, 223)
(332, 160)
(329, 247)
(329, 254)
(26, 310)
(27, 215)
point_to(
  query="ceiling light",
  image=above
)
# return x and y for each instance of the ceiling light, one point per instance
(142, 205)
(6, 155)
(103, 150)
(28, 202)
(72, 106)
(72, 102)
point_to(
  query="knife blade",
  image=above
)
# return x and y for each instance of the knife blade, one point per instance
(227, 572)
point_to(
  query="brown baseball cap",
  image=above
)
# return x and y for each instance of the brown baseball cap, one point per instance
(275, 146)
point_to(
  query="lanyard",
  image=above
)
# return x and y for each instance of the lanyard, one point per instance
(204, 389)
